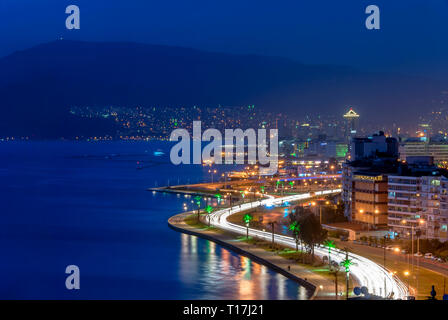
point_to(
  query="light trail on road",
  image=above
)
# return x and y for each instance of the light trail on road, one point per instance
(378, 280)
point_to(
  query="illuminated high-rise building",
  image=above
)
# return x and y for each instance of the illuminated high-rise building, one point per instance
(351, 126)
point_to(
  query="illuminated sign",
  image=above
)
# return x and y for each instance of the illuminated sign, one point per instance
(369, 178)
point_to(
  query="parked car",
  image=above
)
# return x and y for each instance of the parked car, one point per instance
(418, 254)
(428, 255)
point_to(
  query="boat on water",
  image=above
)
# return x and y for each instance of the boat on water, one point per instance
(158, 153)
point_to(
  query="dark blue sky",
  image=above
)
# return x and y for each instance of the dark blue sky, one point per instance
(413, 36)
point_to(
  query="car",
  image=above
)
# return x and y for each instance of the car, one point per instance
(389, 248)
(404, 251)
(418, 254)
(428, 255)
(438, 259)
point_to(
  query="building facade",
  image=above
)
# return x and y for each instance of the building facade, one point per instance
(438, 150)
(369, 198)
(351, 119)
(404, 205)
(418, 200)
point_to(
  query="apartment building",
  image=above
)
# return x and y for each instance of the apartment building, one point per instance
(369, 198)
(415, 147)
(364, 178)
(418, 200)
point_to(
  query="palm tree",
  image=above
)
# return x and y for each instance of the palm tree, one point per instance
(295, 228)
(330, 244)
(272, 224)
(346, 264)
(243, 195)
(218, 196)
(208, 209)
(247, 219)
(198, 202)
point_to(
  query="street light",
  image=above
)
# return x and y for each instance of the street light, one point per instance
(272, 224)
(386, 237)
(313, 204)
(406, 274)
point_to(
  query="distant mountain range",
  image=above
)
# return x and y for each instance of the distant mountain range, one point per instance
(38, 85)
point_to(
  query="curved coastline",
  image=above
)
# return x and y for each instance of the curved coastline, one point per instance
(177, 223)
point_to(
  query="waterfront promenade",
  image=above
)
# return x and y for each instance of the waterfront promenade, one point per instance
(364, 271)
(318, 286)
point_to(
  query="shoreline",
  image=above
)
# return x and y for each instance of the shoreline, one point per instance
(318, 287)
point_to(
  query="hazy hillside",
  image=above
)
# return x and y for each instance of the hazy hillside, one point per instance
(38, 85)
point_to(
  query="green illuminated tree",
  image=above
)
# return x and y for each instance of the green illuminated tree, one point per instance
(247, 219)
(209, 210)
(329, 244)
(295, 228)
(346, 263)
(198, 203)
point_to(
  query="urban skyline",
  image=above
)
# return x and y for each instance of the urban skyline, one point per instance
(215, 158)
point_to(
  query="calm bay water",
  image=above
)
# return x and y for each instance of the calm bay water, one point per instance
(85, 204)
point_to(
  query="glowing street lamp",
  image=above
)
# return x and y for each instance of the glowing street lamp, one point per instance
(272, 224)
(407, 274)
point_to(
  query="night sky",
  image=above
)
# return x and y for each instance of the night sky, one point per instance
(413, 36)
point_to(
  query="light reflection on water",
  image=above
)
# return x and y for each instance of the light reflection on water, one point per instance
(67, 203)
(229, 276)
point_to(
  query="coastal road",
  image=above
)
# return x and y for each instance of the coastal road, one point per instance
(378, 280)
